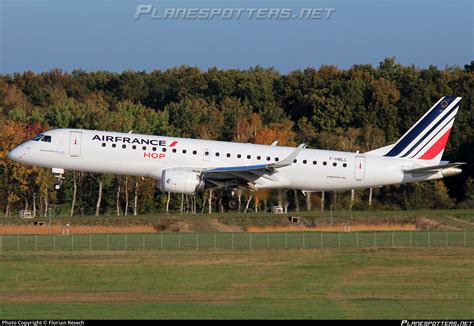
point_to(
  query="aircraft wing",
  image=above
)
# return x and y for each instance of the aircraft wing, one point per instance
(246, 175)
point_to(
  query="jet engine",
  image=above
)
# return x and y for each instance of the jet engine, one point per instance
(181, 181)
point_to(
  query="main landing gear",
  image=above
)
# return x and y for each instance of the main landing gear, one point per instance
(59, 175)
(229, 200)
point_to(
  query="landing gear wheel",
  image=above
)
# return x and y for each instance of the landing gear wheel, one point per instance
(229, 200)
(59, 175)
(233, 204)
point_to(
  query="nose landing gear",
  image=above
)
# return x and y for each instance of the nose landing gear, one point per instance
(58, 174)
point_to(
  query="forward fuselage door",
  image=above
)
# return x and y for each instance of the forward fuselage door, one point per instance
(359, 168)
(75, 143)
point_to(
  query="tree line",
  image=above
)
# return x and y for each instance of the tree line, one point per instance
(357, 109)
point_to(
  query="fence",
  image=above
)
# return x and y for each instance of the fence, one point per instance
(237, 241)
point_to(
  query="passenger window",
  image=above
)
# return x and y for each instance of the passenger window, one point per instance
(258, 158)
(144, 148)
(124, 146)
(195, 152)
(184, 151)
(103, 144)
(154, 149)
(239, 155)
(206, 153)
(163, 149)
(174, 150)
(314, 162)
(228, 155)
(217, 154)
(249, 157)
(295, 160)
(344, 165)
(134, 146)
(276, 159)
(325, 163)
(334, 164)
(268, 158)
(304, 161)
(114, 145)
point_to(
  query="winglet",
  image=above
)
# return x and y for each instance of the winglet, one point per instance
(274, 143)
(289, 160)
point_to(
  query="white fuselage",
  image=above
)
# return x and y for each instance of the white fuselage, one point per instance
(148, 156)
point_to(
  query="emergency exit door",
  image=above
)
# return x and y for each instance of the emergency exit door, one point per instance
(360, 168)
(75, 143)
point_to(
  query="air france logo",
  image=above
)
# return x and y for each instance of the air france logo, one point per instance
(139, 141)
(135, 140)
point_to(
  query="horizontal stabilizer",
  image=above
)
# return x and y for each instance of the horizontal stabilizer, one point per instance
(434, 168)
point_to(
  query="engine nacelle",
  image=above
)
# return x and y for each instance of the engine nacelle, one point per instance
(181, 181)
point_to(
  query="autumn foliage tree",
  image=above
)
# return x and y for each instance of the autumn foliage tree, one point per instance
(356, 109)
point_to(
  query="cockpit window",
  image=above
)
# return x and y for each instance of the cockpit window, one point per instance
(38, 137)
(46, 138)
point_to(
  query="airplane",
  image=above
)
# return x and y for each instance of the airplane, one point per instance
(187, 166)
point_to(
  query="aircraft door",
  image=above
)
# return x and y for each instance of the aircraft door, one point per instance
(359, 168)
(75, 143)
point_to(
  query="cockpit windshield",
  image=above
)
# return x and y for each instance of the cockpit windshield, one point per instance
(42, 137)
(46, 138)
(38, 137)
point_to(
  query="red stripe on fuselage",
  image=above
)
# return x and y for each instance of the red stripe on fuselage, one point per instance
(437, 147)
(173, 143)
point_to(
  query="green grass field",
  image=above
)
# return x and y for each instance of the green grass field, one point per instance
(421, 283)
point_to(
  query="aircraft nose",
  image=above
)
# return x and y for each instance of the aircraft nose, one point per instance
(16, 154)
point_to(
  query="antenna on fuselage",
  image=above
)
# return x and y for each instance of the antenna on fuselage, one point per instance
(130, 131)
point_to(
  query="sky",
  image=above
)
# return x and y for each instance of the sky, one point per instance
(41, 35)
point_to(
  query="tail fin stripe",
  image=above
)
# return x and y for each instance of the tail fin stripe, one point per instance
(429, 141)
(437, 147)
(438, 109)
(431, 130)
